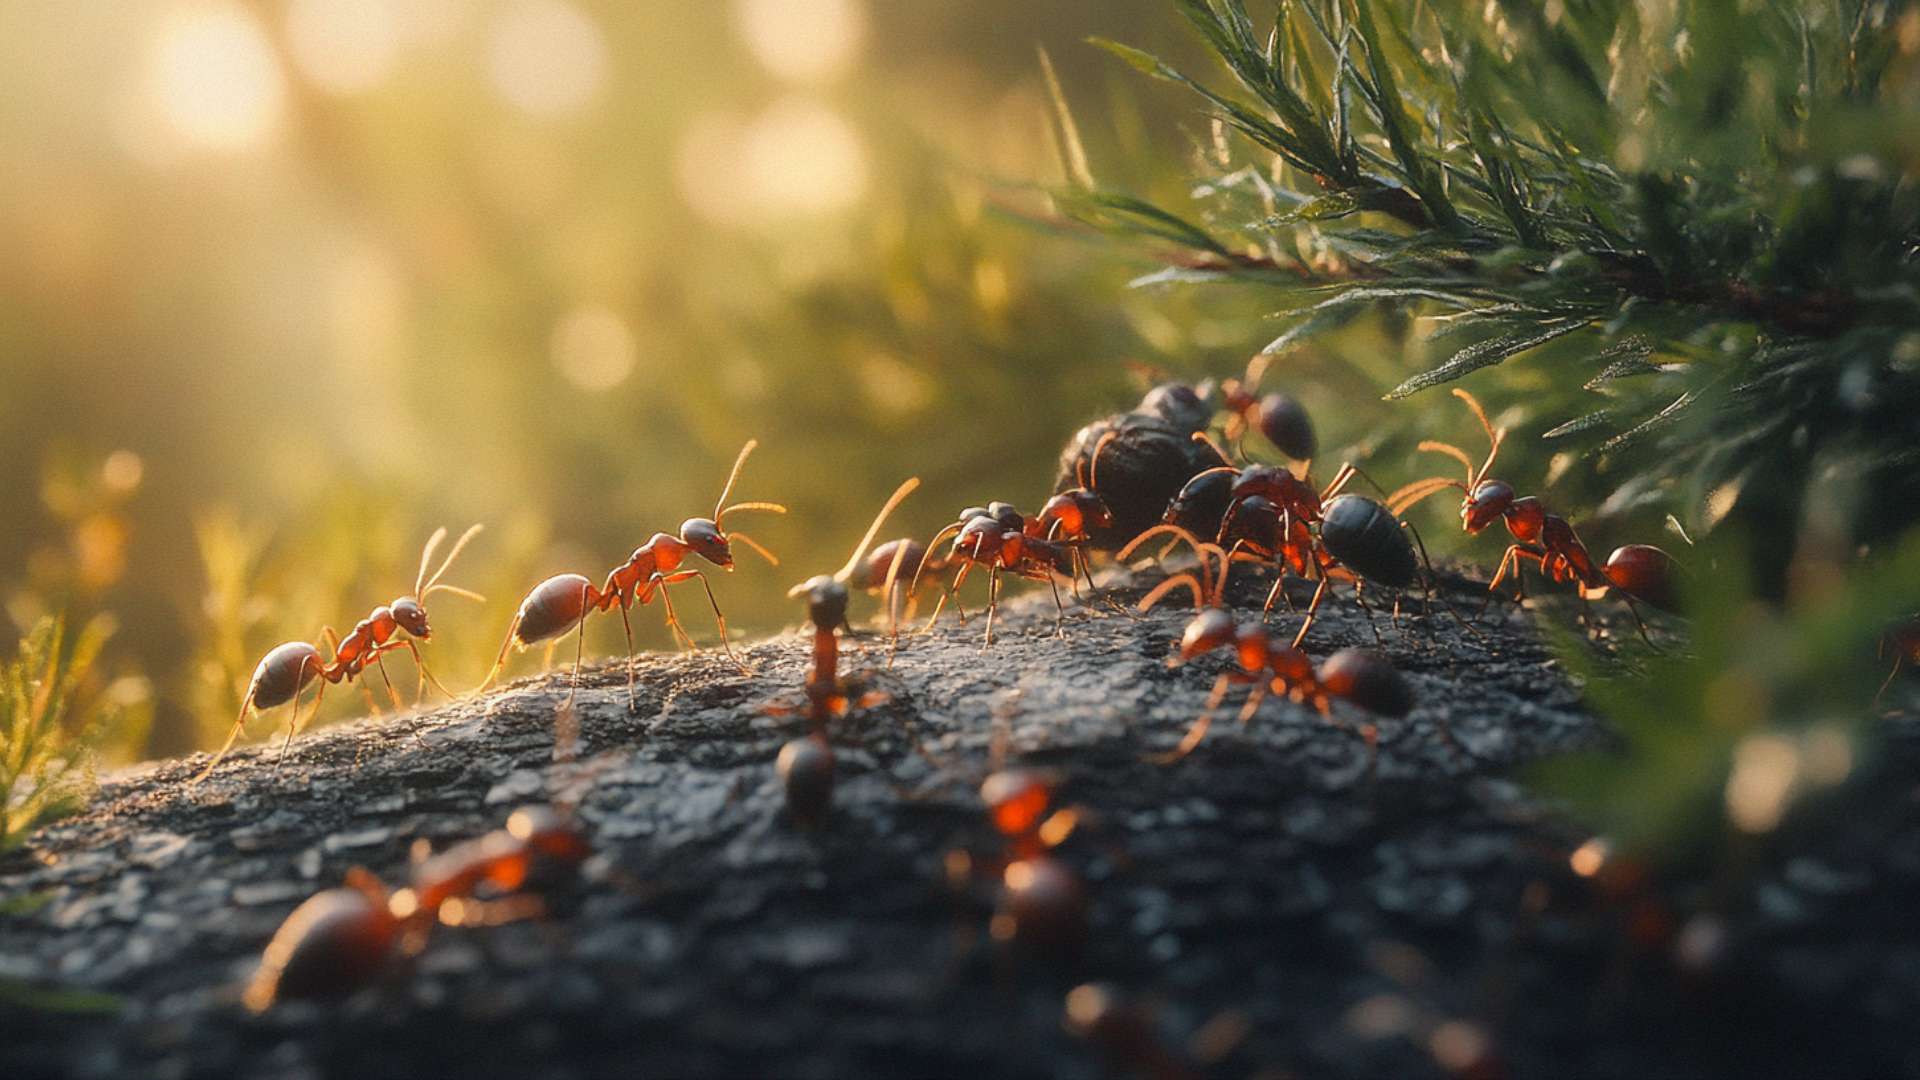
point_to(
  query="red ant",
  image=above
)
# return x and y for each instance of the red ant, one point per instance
(1051, 542)
(1039, 901)
(1267, 514)
(1359, 676)
(564, 601)
(341, 939)
(997, 537)
(1638, 571)
(284, 672)
(1280, 418)
(805, 765)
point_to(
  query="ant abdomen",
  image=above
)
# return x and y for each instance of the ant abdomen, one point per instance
(805, 768)
(1367, 679)
(332, 944)
(552, 608)
(1643, 572)
(1365, 537)
(1042, 904)
(1285, 423)
(283, 673)
(1144, 465)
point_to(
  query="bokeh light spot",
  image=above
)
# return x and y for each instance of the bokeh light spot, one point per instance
(214, 78)
(593, 348)
(343, 46)
(803, 40)
(546, 57)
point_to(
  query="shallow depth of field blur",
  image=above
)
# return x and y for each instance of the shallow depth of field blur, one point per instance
(288, 284)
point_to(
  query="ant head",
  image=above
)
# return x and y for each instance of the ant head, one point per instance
(980, 538)
(1017, 799)
(1206, 632)
(411, 617)
(703, 535)
(826, 600)
(1485, 503)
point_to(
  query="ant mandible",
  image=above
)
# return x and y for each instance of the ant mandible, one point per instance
(564, 601)
(284, 672)
(1638, 571)
(805, 765)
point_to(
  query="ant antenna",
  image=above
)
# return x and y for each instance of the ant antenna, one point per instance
(860, 549)
(1494, 437)
(424, 586)
(1089, 479)
(1201, 436)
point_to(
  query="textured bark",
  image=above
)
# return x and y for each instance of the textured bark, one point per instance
(1270, 900)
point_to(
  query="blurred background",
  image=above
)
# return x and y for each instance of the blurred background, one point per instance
(291, 283)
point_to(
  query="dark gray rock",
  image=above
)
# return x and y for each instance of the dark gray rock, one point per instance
(1335, 912)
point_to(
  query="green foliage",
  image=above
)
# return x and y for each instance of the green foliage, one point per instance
(50, 718)
(1767, 705)
(1699, 225)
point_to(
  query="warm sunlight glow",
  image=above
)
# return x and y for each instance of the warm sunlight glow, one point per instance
(214, 78)
(802, 156)
(546, 57)
(1765, 768)
(803, 40)
(593, 348)
(343, 46)
(797, 157)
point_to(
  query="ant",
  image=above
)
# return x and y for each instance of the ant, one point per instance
(1038, 900)
(805, 765)
(564, 601)
(1267, 514)
(1283, 420)
(285, 671)
(1359, 676)
(1638, 571)
(998, 537)
(341, 939)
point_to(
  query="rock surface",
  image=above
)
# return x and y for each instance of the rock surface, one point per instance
(1272, 903)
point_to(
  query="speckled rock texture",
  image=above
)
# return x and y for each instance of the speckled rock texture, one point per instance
(1275, 905)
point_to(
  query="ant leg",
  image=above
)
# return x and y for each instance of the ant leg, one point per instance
(1360, 594)
(1899, 658)
(246, 703)
(1640, 624)
(993, 602)
(292, 725)
(1252, 705)
(627, 625)
(380, 658)
(426, 675)
(1313, 607)
(546, 658)
(1198, 730)
(501, 660)
(579, 649)
(1059, 611)
(719, 619)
